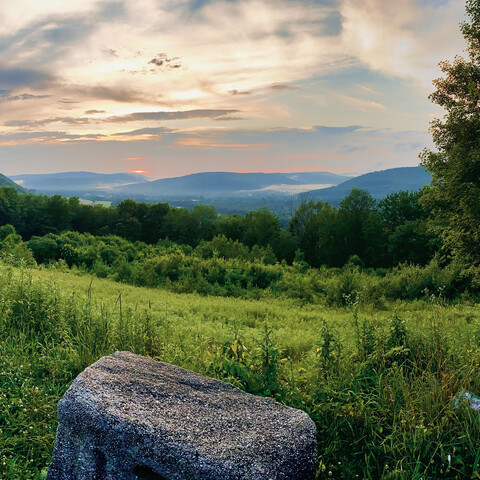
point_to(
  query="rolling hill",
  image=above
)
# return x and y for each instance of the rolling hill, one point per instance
(213, 184)
(379, 184)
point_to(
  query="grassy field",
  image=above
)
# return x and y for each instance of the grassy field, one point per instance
(379, 384)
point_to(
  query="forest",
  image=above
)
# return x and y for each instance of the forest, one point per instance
(383, 234)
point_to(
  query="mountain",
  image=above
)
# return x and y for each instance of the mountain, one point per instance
(214, 184)
(6, 182)
(379, 184)
(67, 182)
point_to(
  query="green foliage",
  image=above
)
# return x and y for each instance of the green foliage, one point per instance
(328, 350)
(5, 231)
(315, 227)
(356, 215)
(404, 221)
(454, 195)
(12, 249)
(269, 357)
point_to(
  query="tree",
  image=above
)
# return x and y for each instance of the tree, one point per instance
(9, 206)
(400, 207)
(359, 225)
(205, 220)
(404, 224)
(454, 194)
(262, 228)
(315, 227)
(153, 224)
(57, 214)
(232, 226)
(6, 230)
(128, 224)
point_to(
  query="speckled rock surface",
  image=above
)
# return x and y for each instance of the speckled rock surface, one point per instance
(128, 417)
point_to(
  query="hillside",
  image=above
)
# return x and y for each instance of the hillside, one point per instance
(6, 182)
(379, 184)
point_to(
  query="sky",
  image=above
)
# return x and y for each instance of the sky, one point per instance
(173, 87)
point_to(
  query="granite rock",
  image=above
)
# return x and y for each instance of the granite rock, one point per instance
(128, 417)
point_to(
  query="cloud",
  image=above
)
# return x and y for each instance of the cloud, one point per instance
(366, 90)
(238, 92)
(180, 115)
(408, 147)
(47, 121)
(228, 118)
(350, 149)
(67, 101)
(6, 96)
(131, 117)
(161, 60)
(212, 143)
(69, 31)
(326, 130)
(279, 86)
(114, 93)
(19, 77)
(40, 43)
(275, 66)
(112, 11)
(405, 39)
(111, 52)
(51, 137)
(144, 131)
(332, 24)
(364, 105)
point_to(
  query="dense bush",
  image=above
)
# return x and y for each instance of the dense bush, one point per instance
(225, 267)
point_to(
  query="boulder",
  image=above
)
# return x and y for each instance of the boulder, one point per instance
(128, 417)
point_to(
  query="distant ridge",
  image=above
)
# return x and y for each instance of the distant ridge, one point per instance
(65, 182)
(379, 184)
(6, 182)
(228, 183)
(230, 192)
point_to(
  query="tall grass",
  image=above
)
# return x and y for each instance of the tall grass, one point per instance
(379, 384)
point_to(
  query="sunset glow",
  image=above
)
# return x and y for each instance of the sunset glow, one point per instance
(209, 85)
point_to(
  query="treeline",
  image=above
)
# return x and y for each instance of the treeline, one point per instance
(381, 234)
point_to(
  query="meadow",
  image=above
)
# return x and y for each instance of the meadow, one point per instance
(379, 382)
